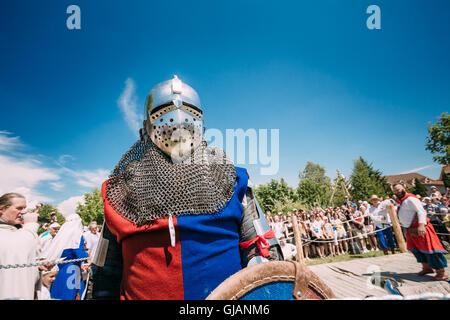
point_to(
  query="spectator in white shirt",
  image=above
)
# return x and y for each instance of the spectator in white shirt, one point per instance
(380, 216)
(92, 236)
(278, 227)
(44, 241)
(289, 250)
(18, 245)
(317, 235)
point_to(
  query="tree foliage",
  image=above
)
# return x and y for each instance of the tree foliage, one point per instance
(438, 139)
(92, 209)
(275, 196)
(314, 186)
(418, 188)
(446, 179)
(365, 181)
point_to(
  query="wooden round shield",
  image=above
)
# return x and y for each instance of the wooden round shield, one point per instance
(275, 280)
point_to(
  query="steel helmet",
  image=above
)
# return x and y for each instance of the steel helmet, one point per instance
(174, 118)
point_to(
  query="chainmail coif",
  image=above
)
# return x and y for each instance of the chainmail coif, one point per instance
(146, 184)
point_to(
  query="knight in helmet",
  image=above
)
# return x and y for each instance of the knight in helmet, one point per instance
(180, 218)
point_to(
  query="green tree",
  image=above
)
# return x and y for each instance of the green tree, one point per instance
(365, 181)
(438, 139)
(418, 188)
(314, 186)
(92, 209)
(45, 212)
(286, 205)
(275, 194)
(446, 179)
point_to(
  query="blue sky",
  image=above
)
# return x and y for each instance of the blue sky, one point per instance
(334, 89)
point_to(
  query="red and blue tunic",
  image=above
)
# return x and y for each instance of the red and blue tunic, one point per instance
(206, 251)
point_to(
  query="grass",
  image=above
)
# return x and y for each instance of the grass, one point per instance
(347, 257)
(344, 257)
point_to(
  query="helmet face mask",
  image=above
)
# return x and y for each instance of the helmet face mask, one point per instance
(176, 133)
(174, 119)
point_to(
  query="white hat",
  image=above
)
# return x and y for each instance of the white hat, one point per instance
(54, 225)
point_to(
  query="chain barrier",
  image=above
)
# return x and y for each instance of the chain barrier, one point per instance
(43, 263)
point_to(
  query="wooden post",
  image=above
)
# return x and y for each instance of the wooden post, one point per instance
(332, 194)
(397, 229)
(298, 240)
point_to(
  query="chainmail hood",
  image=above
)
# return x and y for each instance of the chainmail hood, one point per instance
(146, 185)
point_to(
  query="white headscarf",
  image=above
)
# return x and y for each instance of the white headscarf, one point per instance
(68, 237)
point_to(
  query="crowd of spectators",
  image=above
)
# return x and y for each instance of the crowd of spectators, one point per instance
(51, 277)
(437, 207)
(325, 232)
(331, 231)
(86, 248)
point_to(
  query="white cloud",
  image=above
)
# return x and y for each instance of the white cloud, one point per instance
(69, 206)
(32, 196)
(89, 178)
(420, 169)
(127, 103)
(8, 143)
(23, 173)
(64, 158)
(57, 186)
(23, 176)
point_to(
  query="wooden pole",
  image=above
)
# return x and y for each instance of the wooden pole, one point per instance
(332, 194)
(397, 229)
(341, 181)
(298, 240)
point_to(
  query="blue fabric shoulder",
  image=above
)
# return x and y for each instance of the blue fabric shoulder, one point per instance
(241, 182)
